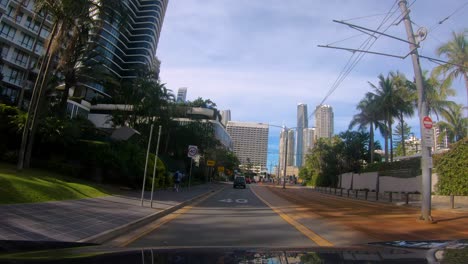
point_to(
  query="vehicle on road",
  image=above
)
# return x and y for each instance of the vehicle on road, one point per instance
(239, 181)
(248, 180)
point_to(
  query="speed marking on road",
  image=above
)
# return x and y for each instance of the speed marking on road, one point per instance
(229, 200)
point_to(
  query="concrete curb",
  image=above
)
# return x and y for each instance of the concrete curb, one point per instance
(112, 233)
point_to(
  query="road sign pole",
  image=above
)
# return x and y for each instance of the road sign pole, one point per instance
(286, 132)
(146, 164)
(190, 174)
(155, 165)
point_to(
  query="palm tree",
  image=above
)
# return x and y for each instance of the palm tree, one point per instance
(455, 126)
(367, 116)
(405, 95)
(456, 53)
(384, 95)
(71, 22)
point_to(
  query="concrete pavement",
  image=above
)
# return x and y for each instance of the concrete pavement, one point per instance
(74, 220)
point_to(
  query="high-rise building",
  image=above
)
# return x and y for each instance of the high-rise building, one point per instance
(282, 148)
(302, 122)
(250, 142)
(225, 117)
(309, 140)
(124, 49)
(22, 36)
(324, 121)
(181, 95)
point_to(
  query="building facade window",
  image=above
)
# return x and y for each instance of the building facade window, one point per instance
(4, 3)
(5, 50)
(20, 57)
(14, 14)
(15, 76)
(32, 25)
(7, 31)
(27, 41)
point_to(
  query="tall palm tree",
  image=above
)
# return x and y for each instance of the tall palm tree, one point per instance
(455, 126)
(384, 95)
(456, 53)
(367, 116)
(405, 95)
(71, 22)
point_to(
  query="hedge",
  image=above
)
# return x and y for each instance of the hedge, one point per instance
(452, 168)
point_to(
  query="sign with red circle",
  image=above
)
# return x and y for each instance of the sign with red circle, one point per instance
(427, 122)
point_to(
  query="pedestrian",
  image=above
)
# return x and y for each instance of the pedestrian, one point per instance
(177, 177)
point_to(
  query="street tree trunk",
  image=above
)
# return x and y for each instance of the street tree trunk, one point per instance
(371, 143)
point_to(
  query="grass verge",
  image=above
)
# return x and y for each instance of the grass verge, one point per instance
(33, 186)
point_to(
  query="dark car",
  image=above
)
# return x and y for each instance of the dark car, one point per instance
(239, 181)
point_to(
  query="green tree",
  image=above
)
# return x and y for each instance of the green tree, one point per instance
(355, 149)
(401, 132)
(368, 116)
(405, 96)
(324, 163)
(385, 97)
(455, 125)
(456, 53)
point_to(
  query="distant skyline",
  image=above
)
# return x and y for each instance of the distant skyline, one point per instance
(260, 58)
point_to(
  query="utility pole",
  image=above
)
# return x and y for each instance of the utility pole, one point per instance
(285, 157)
(422, 110)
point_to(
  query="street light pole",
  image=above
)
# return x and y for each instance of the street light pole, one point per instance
(286, 132)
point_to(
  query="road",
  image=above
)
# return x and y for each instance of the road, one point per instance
(262, 216)
(231, 217)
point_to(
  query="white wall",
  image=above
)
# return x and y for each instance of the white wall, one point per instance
(387, 183)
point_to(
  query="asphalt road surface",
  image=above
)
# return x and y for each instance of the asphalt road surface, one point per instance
(232, 217)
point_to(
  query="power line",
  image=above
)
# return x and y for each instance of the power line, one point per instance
(440, 22)
(367, 44)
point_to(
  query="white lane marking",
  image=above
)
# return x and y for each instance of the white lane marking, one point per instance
(229, 200)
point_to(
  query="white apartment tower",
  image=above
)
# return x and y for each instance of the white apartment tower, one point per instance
(309, 140)
(282, 148)
(324, 121)
(250, 142)
(225, 117)
(22, 37)
(181, 95)
(302, 122)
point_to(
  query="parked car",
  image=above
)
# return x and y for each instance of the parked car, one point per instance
(239, 181)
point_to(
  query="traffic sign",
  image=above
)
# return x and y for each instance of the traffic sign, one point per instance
(210, 163)
(220, 169)
(192, 151)
(427, 122)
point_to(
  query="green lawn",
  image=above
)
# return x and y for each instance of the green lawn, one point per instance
(32, 186)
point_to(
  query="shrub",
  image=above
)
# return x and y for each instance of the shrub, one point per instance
(452, 169)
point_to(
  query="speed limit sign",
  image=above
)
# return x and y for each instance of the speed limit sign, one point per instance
(192, 151)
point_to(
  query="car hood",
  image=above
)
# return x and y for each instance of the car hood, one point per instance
(394, 252)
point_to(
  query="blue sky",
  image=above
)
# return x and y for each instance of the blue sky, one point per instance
(260, 58)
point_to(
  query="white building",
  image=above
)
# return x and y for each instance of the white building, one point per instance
(225, 117)
(22, 37)
(250, 141)
(324, 121)
(282, 148)
(309, 140)
(302, 122)
(181, 95)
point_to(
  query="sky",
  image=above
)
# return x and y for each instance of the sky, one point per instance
(259, 58)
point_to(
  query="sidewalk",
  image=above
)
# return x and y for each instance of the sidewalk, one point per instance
(74, 220)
